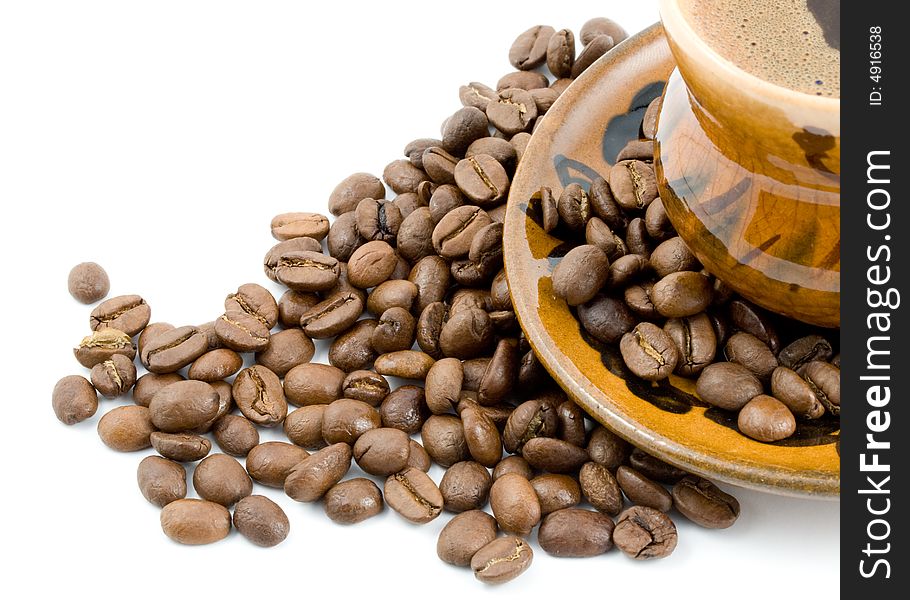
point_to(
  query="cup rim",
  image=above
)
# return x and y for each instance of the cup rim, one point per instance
(675, 23)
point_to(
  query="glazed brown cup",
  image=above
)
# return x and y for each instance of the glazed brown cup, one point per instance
(749, 173)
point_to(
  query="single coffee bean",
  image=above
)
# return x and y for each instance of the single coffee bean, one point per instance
(443, 385)
(414, 150)
(556, 492)
(727, 385)
(366, 386)
(643, 533)
(312, 477)
(235, 435)
(580, 274)
(498, 148)
(412, 494)
(524, 80)
(371, 264)
(502, 560)
(529, 50)
(601, 26)
(183, 406)
(307, 271)
(259, 396)
(88, 282)
(571, 423)
(637, 150)
(463, 127)
(378, 220)
(404, 409)
(597, 233)
(126, 428)
(454, 234)
(402, 176)
(286, 350)
(193, 521)
(576, 532)
(553, 455)
(181, 447)
(464, 536)
(804, 350)
(749, 351)
(606, 319)
(270, 463)
(755, 321)
(225, 406)
(215, 365)
(465, 486)
(642, 491)
(344, 237)
(530, 419)
(649, 121)
(114, 377)
(418, 457)
(704, 503)
(242, 332)
(626, 269)
(353, 501)
(600, 488)
(313, 383)
(474, 370)
(261, 521)
(486, 247)
(549, 210)
(150, 331)
(603, 204)
(333, 315)
(649, 352)
(382, 451)
(682, 294)
(574, 207)
(431, 276)
(513, 464)
(824, 378)
(794, 391)
(353, 349)
(220, 478)
(515, 505)
(658, 223)
(596, 48)
(352, 190)
(345, 420)
(477, 95)
(638, 299)
(299, 224)
(444, 200)
(302, 244)
(695, 342)
(512, 111)
(129, 314)
(407, 364)
(655, 468)
(607, 449)
(443, 439)
(149, 384)
(172, 350)
(102, 345)
(303, 426)
(673, 256)
(390, 294)
(633, 184)
(394, 332)
(561, 53)
(466, 334)
(161, 481)
(544, 98)
(254, 300)
(766, 419)
(481, 435)
(415, 236)
(501, 374)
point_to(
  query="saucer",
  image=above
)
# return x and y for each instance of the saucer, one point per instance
(577, 140)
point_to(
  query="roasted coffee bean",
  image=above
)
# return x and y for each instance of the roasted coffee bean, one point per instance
(466, 334)
(299, 224)
(655, 468)
(182, 447)
(465, 486)
(353, 501)
(215, 365)
(626, 269)
(113, 377)
(695, 341)
(580, 274)
(377, 220)
(303, 426)
(303, 244)
(270, 463)
(225, 405)
(549, 209)
(183, 406)
(366, 386)
(571, 423)
(672, 256)
(682, 294)
(544, 98)
(500, 149)
(576, 532)
(402, 176)
(529, 50)
(649, 352)
(633, 184)
(389, 294)
(642, 533)
(482, 179)
(607, 449)
(161, 481)
(415, 236)
(499, 293)
(804, 350)
(102, 345)
(642, 491)
(414, 150)
(523, 80)
(286, 350)
(261, 521)
(511, 111)
(574, 207)
(174, 349)
(530, 419)
(597, 233)
(464, 536)
(601, 26)
(208, 329)
(129, 314)
(235, 435)
(254, 300)
(193, 521)
(596, 48)
(307, 271)
(443, 385)
(412, 494)
(600, 488)
(431, 273)
(260, 396)
(603, 204)
(153, 329)
(443, 439)
(407, 364)
(394, 332)
(753, 320)
(704, 503)
(561, 53)
(149, 384)
(606, 319)
(345, 420)
(407, 203)
(649, 121)
(556, 492)
(637, 150)
(502, 560)
(513, 464)
(418, 457)
(332, 316)
(825, 381)
(638, 299)
(501, 374)
(474, 370)
(352, 190)
(481, 435)
(515, 505)
(657, 222)
(520, 142)
(794, 391)
(313, 383)
(487, 244)
(371, 264)
(477, 95)
(749, 351)
(382, 451)
(727, 385)
(553, 455)
(404, 409)
(766, 419)
(344, 237)
(353, 350)
(312, 477)
(126, 428)
(445, 199)
(220, 478)
(242, 332)
(88, 282)
(463, 127)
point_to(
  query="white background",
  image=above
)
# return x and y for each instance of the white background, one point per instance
(159, 138)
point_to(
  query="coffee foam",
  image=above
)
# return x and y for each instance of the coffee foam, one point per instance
(779, 41)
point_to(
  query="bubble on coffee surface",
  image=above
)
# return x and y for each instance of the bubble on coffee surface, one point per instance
(790, 43)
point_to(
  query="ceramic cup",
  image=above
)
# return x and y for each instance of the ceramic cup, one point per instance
(749, 173)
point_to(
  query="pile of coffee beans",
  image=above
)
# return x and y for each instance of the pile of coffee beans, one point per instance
(427, 365)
